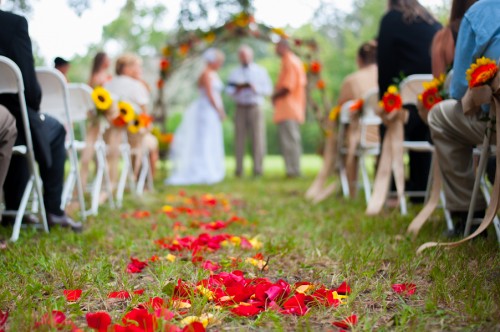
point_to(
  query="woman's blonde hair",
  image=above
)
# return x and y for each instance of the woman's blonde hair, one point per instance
(125, 60)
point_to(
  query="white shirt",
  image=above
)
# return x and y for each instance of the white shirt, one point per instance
(128, 89)
(256, 76)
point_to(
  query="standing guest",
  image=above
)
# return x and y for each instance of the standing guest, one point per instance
(98, 77)
(443, 44)
(455, 134)
(129, 86)
(62, 65)
(248, 85)
(8, 134)
(289, 100)
(404, 43)
(48, 134)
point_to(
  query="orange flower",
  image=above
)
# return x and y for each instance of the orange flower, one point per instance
(356, 106)
(430, 97)
(320, 84)
(481, 72)
(160, 83)
(315, 67)
(183, 49)
(391, 100)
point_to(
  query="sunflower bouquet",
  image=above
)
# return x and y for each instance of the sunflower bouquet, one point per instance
(139, 123)
(126, 114)
(391, 100)
(481, 72)
(434, 92)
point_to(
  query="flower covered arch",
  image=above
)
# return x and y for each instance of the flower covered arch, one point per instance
(193, 43)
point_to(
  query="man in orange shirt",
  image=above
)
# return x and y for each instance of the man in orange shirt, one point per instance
(289, 100)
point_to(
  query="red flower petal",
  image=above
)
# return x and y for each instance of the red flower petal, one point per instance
(164, 313)
(141, 317)
(344, 289)
(295, 305)
(211, 266)
(139, 292)
(194, 327)
(52, 319)
(3, 318)
(246, 310)
(408, 289)
(72, 294)
(135, 265)
(98, 320)
(347, 323)
(119, 295)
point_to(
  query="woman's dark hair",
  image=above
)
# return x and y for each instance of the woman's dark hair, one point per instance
(367, 52)
(412, 11)
(98, 61)
(458, 9)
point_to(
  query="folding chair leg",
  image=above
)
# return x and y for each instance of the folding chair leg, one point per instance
(367, 187)
(79, 185)
(403, 207)
(475, 191)
(69, 186)
(22, 209)
(344, 182)
(447, 214)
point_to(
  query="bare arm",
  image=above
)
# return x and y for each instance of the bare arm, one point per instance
(206, 85)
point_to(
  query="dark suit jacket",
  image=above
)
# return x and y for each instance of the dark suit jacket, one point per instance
(15, 44)
(403, 48)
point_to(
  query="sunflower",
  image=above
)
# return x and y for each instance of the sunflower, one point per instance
(334, 113)
(127, 112)
(280, 32)
(391, 100)
(102, 99)
(481, 72)
(139, 122)
(134, 126)
(210, 37)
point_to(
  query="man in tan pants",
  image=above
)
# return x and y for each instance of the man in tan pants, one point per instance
(8, 134)
(289, 99)
(248, 85)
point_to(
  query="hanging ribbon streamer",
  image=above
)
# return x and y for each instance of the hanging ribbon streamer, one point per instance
(473, 99)
(391, 161)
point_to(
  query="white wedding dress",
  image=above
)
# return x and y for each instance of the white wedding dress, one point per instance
(197, 150)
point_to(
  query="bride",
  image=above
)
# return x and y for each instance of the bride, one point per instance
(197, 151)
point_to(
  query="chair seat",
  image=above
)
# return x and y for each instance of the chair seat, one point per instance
(420, 146)
(79, 145)
(20, 149)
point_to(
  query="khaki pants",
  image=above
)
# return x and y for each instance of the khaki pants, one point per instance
(249, 123)
(291, 146)
(455, 136)
(8, 134)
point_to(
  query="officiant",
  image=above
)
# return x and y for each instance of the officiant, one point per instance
(248, 85)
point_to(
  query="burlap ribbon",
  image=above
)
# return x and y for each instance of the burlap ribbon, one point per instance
(471, 102)
(353, 140)
(431, 204)
(391, 161)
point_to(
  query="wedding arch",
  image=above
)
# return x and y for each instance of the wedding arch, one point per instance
(188, 44)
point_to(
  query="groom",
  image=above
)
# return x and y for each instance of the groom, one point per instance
(248, 85)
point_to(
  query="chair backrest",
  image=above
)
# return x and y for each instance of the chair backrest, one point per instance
(55, 95)
(80, 101)
(344, 116)
(411, 87)
(447, 82)
(370, 105)
(11, 81)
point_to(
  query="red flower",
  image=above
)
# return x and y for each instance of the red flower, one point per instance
(431, 97)
(141, 317)
(160, 83)
(211, 266)
(136, 266)
(246, 310)
(315, 67)
(164, 313)
(139, 292)
(347, 323)
(72, 295)
(119, 295)
(391, 101)
(164, 64)
(295, 305)
(407, 289)
(141, 214)
(321, 84)
(98, 320)
(54, 319)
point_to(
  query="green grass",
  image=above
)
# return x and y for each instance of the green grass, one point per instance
(457, 289)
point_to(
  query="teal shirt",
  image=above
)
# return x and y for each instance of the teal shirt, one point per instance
(478, 36)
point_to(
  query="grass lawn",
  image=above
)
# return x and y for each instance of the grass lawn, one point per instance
(457, 289)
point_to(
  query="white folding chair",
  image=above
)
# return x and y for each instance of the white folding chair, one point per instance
(145, 177)
(11, 81)
(127, 172)
(410, 88)
(80, 103)
(55, 101)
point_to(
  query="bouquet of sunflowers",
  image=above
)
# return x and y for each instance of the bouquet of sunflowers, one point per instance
(102, 100)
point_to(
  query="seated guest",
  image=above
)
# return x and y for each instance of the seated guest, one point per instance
(8, 134)
(62, 65)
(455, 134)
(443, 44)
(48, 134)
(129, 86)
(404, 41)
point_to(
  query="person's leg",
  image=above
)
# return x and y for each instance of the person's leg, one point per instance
(8, 135)
(240, 128)
(290, 140)
(454, 136)
(92, 133)
(113, 137)
(53, 176)
(257, 133)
